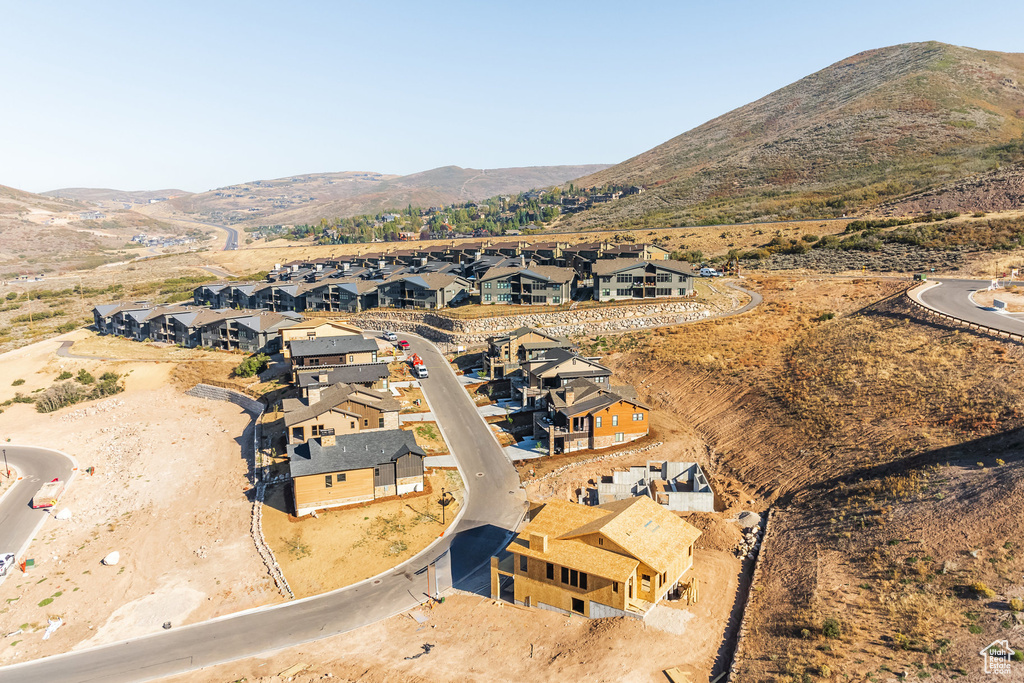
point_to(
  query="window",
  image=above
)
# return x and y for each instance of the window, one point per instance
(380, 423)
(376, 471)
(615, 420)
(622, 292)
(299, 433)
(663, 291)
(565, 575)
(352, 424)
(583, 580)
(574, 578)
(645, 583)
(487, 285)
(597, 421)
(351, 358)
(556, 300)
(340, 478)
(366, 423)
(631, 588)
(327, 482)
(551, 571)
(638, 417)
(606, 292)
(664, 277)
(623, 279)
(523, 563)
(600, 541)
(487, 297)
(615, 586)
(577, 606)
(314, 430)
(618, 437)
(682, 292)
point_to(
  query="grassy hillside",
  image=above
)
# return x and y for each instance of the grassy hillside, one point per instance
(878, 126)
(98, 195)
(308, 198)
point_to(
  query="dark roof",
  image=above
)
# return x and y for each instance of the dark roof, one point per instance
(344, 374)
(611, 266)
(589, 397)
(351, 452)
(349, 343)
(298, 410)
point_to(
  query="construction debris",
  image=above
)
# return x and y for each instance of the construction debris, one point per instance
(112, 559)
(54, 624)
(427, 647)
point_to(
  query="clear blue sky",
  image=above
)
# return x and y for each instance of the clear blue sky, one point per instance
(136, 95)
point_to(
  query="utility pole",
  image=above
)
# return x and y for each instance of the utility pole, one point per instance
(7, 470)
(442, 500)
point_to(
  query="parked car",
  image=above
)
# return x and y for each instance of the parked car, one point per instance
(403, 345)
(709, 272)
(390, 336)
(6, 562)
(419, 371)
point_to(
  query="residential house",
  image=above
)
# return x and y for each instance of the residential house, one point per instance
(249, 331)
(506, 352)
(531, 285)
(315, 329)
(643, 252)
(580, 415)
(426, 290)
(553, 368)
(614, 560)
(622, 279)
(367, 375)
(338, 409)
(330, 471)
(327, 351)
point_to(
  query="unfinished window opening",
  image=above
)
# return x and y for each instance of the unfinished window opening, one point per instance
(522, 563)
(615, 586)
(551, 571)
(565, 575)
(574, 578)
(341, 477)
(583, 580)
(577, 606)
(645, 583)
(327, 482)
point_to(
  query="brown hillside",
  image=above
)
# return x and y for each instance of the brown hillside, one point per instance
(879, 125)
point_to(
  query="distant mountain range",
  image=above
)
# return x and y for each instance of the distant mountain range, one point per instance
(871, 129)
(308, 198)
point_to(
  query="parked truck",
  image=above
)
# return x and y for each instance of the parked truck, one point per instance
(48, 494)
(419, 370)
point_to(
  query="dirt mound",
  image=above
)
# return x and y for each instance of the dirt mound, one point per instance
(716, 533)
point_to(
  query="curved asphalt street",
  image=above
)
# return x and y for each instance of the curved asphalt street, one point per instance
(18, 521)
(953, 297)
(495, 505)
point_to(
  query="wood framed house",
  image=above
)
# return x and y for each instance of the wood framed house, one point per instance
(315, 329)
(614, 560)
(330, 471)
(338, 409)
(631, 279)
(581, 415)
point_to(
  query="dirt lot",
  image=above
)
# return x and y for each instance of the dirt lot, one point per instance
(428, 437)
(407, 397)
(475, 639)
(181, 523)
(370, 538)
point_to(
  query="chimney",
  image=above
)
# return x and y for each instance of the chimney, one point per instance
(322, 378)
(423, 261)
(477, 254)
(381, 263)
(313, 394)
(570, 395)
(328, 440)
(319, 267)
(277, 266)
(345, 266)
(539, 542)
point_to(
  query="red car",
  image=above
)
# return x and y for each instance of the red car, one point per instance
(403, 345)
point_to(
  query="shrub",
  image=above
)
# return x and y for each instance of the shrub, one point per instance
(17, 382)
(64, 375)
(85, 377)
(831, 629)
(825, 316)
(251, 366)
(825, 671)
(11, 296)
(59, 396)
(810, 238)
(109, 377)
(980, 590)
(1017, 656)
(1016, 604)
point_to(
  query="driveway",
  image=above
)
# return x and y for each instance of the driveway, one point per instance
(494, 506)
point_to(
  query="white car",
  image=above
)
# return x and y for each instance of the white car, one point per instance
(419, 371)
(709, 272)
(6, 562)
(390, 336)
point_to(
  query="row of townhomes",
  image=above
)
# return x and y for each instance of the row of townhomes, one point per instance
(511, 273)
(574, 404)
(340, 421)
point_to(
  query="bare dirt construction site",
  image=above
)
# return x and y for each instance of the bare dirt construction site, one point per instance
(168, 493)
(473, 638)
(343, 546)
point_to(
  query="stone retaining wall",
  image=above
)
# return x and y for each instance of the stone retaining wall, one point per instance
(220, 394)
(738, 650)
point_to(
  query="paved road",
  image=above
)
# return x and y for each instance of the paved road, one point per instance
(952, 297)
(18, 521)
(494, 507)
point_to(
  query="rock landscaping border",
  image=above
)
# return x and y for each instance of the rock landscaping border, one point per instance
(742, 631)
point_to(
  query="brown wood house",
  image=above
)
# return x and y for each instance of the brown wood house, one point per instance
(338, 409)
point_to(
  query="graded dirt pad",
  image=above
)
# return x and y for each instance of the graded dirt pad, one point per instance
(168, 493)
(343, 546)
(475, 639)
(428, 437)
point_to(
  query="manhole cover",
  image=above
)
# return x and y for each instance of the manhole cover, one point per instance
(479, 474)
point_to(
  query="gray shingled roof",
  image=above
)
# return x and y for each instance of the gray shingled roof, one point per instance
(351, 452)
(345, 374)
(297, 410)
(612, 266)
(349, 343)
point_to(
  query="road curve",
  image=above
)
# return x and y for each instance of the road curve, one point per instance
(19, 523)
(953, 297)
(494, 506)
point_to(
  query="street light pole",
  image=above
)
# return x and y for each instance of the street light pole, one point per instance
(442, 499)
(7, 470)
